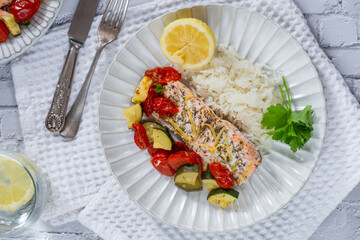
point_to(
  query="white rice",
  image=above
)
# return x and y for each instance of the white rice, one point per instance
(237, 90)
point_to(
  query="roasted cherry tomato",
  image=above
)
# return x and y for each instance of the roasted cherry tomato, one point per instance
(165, 107)
(140, 137)
(4, 32)
(163, 75)
(222, 175)
(181, 158)
(23, 10)
(197, 159)
(147, 104)
(151, 149)
(160, 162)
(180, 146)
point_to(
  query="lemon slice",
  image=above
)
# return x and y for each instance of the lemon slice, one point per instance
(188, 42)
(16, 186)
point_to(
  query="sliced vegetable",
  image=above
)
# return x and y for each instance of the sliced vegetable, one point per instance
(197, 159)
(222, 175)
(10, 22)
(133, 114)
(163, 75)
(165, 107)
(151, 149)
(23, 10)
(209, 181)
(4, 32)
(180, 146)
(148, 102)
(187, 177)
(160, 163)
(142, 90)
(222, 197)
(162, 139)
(149, 127)
(178, 159)
(140, 137)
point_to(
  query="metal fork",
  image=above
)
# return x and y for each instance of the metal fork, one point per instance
(108, 31)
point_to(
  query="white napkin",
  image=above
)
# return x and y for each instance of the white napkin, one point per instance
(76, 170)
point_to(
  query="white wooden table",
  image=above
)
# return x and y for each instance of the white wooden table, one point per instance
(336, 25)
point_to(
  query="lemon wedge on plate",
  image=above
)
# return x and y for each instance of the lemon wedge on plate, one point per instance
(16, 186)
(188, 42)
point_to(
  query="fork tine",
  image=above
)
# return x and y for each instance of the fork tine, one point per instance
(106, 12)
(118, 12)
(119, 22)
(115, 6)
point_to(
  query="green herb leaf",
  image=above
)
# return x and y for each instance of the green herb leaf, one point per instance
(276, 117)
(159, 88)
(288, 127)
(304, 117)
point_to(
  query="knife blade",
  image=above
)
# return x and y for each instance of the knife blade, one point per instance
(83, 17)
(78, 32)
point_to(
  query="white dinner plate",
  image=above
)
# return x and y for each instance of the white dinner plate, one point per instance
(281, 174)
(40, 23)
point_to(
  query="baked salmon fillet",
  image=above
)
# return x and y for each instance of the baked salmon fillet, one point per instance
(213, 138)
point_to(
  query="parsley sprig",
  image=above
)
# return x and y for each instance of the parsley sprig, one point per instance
(159, 88)
(290, 128)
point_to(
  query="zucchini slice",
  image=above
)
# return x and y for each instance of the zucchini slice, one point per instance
(162, 139)
(187, 177)
(222, 197)
(149, 127)
(142, 90)
(209, 181)
(133, 114)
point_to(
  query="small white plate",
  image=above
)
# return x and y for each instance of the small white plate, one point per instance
(40, 23)
(282, 173)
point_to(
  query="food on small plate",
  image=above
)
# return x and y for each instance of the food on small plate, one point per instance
(214, 139)
(9, 20)
(188, 42)
(15, 12)
(4, 32)
(24, 10)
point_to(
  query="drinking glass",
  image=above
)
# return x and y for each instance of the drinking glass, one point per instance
(23, 193)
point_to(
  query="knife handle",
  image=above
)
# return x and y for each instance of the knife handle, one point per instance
(55, 119)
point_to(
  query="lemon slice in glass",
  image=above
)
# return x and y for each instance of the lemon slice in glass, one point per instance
(188, 42)
(16, 185)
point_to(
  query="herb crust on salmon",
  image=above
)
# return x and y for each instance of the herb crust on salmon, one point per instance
(213, 138)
